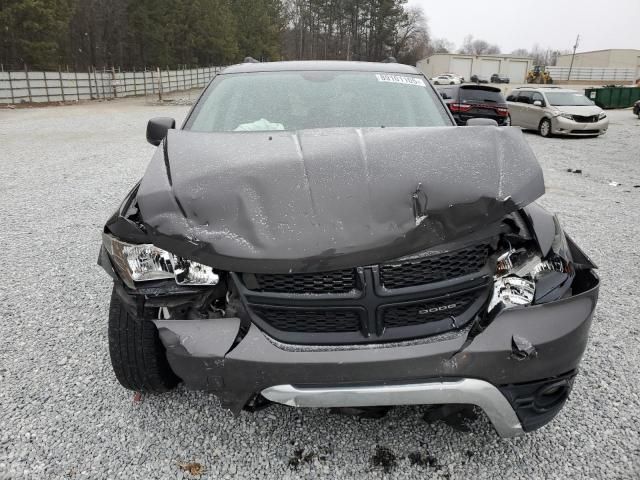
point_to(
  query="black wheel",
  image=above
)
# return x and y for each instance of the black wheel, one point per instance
(137, 354)
(545, 128)
(452, 83)
(436, 83)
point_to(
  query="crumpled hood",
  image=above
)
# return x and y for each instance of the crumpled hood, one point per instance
(332, 198)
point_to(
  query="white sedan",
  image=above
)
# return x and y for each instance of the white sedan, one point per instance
(446, 79)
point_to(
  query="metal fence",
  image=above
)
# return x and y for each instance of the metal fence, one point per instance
(61, 86)
(594, 74)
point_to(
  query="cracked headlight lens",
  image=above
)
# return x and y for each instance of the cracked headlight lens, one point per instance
(145, 262)
(512, 291)
(517, 272)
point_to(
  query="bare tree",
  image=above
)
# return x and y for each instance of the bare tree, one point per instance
(471, 46)
(412, 38)
(541, 56)
(521, 52)
(440, 45)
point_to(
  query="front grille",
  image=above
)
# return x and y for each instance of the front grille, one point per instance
(310, 321)
(583, 119)
(586, 132)
(428, 311)
(370, 303)
(434, 269)
(339, 281)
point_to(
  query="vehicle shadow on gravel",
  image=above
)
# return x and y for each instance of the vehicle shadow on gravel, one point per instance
(300, 441)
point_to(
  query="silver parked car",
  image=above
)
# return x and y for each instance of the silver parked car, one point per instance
(556, 111)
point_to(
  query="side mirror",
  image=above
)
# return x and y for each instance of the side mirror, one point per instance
(157, 129)
(481, 122)
(537, 103)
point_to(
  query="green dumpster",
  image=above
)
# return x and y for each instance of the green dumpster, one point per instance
(613, 97)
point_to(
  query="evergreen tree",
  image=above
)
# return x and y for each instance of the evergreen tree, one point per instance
(166, 33)
(34, 32)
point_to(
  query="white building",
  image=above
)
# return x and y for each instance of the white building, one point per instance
(621, 65)
(612, 58)
(514, 67)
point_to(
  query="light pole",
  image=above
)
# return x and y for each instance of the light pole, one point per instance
(573, 56)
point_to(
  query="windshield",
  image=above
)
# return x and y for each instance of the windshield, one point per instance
(316, 99)
(567, 99)
(480, 95)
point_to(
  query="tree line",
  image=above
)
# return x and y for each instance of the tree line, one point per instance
(46, 34)
(137, 33)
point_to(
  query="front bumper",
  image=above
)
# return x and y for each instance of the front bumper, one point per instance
(564, 126)
(208, 355)
(465, 391)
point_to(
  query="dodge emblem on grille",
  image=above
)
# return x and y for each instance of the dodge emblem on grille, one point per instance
(442, 308)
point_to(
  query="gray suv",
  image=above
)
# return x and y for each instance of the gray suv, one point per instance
(295, 242)
(556, 111)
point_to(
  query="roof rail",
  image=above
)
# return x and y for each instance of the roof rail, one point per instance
(534, 85)
(250, 60)
(390, 60)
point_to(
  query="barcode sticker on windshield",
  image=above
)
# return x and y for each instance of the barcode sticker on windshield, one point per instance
(383, 77)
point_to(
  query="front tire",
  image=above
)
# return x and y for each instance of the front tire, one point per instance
(545, 128)
(137, 355)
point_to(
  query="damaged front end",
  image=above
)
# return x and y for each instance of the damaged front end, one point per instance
(469, 296)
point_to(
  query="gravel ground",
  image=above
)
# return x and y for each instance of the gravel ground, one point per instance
(63, 415)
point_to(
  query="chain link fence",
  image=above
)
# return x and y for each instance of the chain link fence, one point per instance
(27, 86)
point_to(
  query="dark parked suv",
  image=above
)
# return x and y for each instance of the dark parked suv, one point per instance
(321, 234)
(497, 78)
(475, 101)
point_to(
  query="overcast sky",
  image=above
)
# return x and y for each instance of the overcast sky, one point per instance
(549, 23)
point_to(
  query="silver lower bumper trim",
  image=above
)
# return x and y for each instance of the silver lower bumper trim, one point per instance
(468, 390)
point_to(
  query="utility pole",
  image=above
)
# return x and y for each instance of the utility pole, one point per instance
(573, 56)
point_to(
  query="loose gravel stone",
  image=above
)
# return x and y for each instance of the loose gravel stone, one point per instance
(64, 170)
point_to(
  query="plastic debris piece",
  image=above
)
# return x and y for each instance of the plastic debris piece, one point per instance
(521, 348)
(614, 184)
(137, 397)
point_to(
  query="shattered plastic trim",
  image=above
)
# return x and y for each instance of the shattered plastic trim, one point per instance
(451, 335)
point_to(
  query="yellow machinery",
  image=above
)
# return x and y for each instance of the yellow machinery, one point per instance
(539, 75)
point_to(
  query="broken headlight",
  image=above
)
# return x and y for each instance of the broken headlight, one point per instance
(523, 277)
(145, 262)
